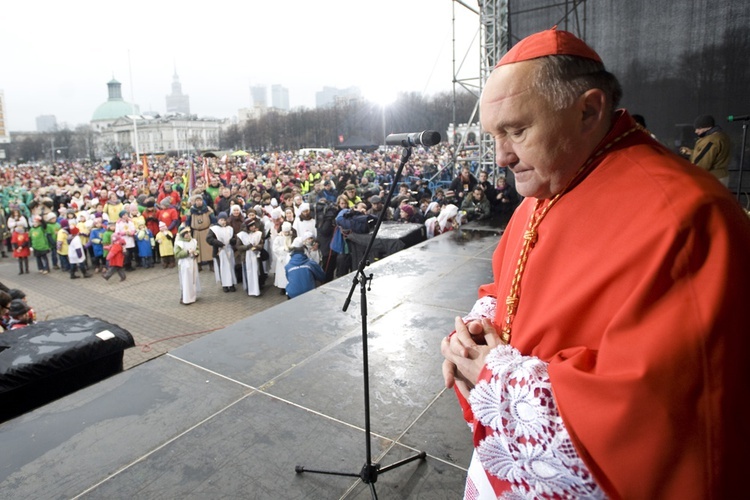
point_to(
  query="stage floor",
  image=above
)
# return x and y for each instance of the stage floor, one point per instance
(230, 415)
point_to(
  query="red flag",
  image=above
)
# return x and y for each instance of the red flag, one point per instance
(145, 168)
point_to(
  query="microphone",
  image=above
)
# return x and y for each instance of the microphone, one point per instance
(407, 140)
(738, 118)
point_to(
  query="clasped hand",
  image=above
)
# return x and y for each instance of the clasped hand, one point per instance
(465, 352)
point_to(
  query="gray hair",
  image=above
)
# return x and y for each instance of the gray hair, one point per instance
(562, 79)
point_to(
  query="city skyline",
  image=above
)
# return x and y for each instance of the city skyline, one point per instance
(383, 49)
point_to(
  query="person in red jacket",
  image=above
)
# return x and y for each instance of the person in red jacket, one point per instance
(21, 248)
(169, 216)
(115, 258)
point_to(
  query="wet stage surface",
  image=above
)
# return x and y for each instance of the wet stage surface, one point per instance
(231, 414)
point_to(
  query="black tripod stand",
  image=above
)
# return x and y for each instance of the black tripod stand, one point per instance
(370, 471)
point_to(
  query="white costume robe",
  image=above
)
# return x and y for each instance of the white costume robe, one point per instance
(187, 269)
(281, 246)
(224, 260)
(250, 266)
(301, 226)
(270, 231)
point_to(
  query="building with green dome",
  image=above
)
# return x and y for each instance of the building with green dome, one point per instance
(113, 109)
(150, 134)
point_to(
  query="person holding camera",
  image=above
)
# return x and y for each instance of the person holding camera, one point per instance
(462, 185)
(476, 206)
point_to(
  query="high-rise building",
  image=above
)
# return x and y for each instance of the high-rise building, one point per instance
(331, 96)
(46, 123)
(177, 102)
(280, 97)
(259, 94)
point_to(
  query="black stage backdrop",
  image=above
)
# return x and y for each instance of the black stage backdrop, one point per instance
(676, 59)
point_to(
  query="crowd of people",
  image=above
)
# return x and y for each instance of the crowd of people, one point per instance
(242, 218)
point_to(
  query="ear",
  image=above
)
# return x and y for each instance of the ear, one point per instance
(593, 105)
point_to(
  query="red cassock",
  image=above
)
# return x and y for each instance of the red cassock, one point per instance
(634, 293)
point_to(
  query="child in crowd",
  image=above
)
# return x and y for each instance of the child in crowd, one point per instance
(62, 245)
(107, 240)
(165, 240)
(97, 245)
(21, 248)
(115, 258)
(76, 254)
(143, 242)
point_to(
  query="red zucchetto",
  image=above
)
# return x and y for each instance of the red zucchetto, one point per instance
(552, 42)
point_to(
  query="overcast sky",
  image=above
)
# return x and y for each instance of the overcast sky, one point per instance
(57, 57)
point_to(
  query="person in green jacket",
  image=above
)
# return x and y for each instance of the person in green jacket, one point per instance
(51, 228)
(40, 243)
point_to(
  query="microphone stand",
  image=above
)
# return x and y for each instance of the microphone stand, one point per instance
(370, 471)
(742, 161)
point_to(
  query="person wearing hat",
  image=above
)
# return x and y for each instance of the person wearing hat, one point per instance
(21, 248)
(376, 208)
(97, 245)
(200, 217)
(40, 243)
(165, 243)
(17, 293)
(304, 221)
(187, 254)
(127, 229)
(249, 245)
(115, 258)
(151, 216)
(61, 245)
(221, 238)
(77, 254)
(301, 272)
(18, 315)
(51, 228)
(281, 246)
(407, 214)
(713, 149)
(607, 358)
(350, 192)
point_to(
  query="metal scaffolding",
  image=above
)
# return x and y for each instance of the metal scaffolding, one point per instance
(500, 26)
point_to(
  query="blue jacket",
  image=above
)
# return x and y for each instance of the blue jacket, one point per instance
(96, 234)
(301, 274)
(144, 245)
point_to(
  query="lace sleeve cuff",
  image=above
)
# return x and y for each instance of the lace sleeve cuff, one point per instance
(483, 308)
(523, 439)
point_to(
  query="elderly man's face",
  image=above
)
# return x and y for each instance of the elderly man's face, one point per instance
(544, 148)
